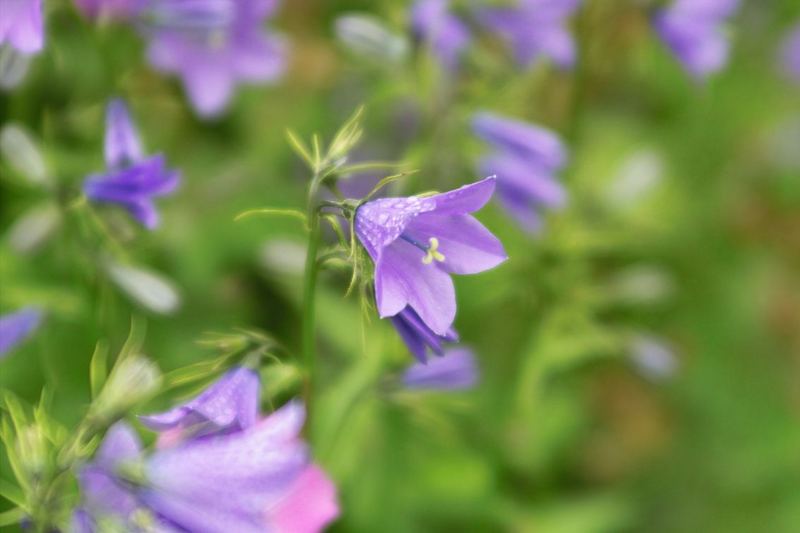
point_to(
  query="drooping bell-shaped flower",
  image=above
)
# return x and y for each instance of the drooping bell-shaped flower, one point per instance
(21, 25)
(16, 327)
(230, 404)
(445, 34)
(534, 29)
(455, 370)
(526, 159)
(212, 45)
(790, 54)
(131, 180)
(693, 31)
(417, 242)
(418, 337)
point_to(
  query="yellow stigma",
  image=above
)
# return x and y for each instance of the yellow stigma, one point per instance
(433, 252)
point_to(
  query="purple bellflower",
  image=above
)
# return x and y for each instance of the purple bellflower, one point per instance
(254, 480)
(16, 327)
(455, 370)
(525, 159)
(535, 28)
(230, 404)
(131, 180)
(790, 54)
(418, 337)
(211, 45)
(417, 242)
(230, 407)
(443, 32)
(21, 25)
(692, 29)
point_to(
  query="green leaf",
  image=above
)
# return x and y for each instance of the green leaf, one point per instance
(12, 492)
(12, 516)
(300, 148)
(275, 212)
(98, 368)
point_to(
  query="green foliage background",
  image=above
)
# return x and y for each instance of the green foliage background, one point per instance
(564, 434)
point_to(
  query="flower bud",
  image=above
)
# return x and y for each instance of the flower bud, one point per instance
(133, 379)
(23, 155)
(367, 37)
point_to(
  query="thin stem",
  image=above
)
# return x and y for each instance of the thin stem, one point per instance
(309, 301)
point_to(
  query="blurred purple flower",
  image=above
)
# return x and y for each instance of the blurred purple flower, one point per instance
(692, 29)
(417, 242)
(525, 159)
(21, 25)
(110, 9)
(790, 54)
(230, 404)
(454, 370)
(534, 28)
(241, 481)
(447, 36)
(131, 180)
(418, 337)
(16, 327)
(309, 506)
(213, 44)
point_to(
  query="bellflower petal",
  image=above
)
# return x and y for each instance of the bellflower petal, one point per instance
(214, 44)
(527, 141)
(242, 474)
(229, 404)
(692, 29)
(409, 240)
(102, 492)
(122, 144)
(402, 279)
(525, 159)
(21, 25)
(534, 28)
(418, 337)
(455, 370)
(132, 181)
(310, 505)
(446, 35)
(16, 327)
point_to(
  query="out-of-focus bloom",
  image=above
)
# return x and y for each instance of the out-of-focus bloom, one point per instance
(434, 24)
(790, 54)
(131, 180)
(110, 9)
(418, 336)
(454, 370)
(21, 25)
(525, 159)
(653, 357)
(230, 404)
(212, 45)
(252, 480)
(535, 28)
(16, 327)
(639, 174)
(310, 505)
(417, 242)
(367, 37)
(693, 30)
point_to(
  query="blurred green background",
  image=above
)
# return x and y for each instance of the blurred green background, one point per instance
(640, 357)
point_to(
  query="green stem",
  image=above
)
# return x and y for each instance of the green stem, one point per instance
(309, 302)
